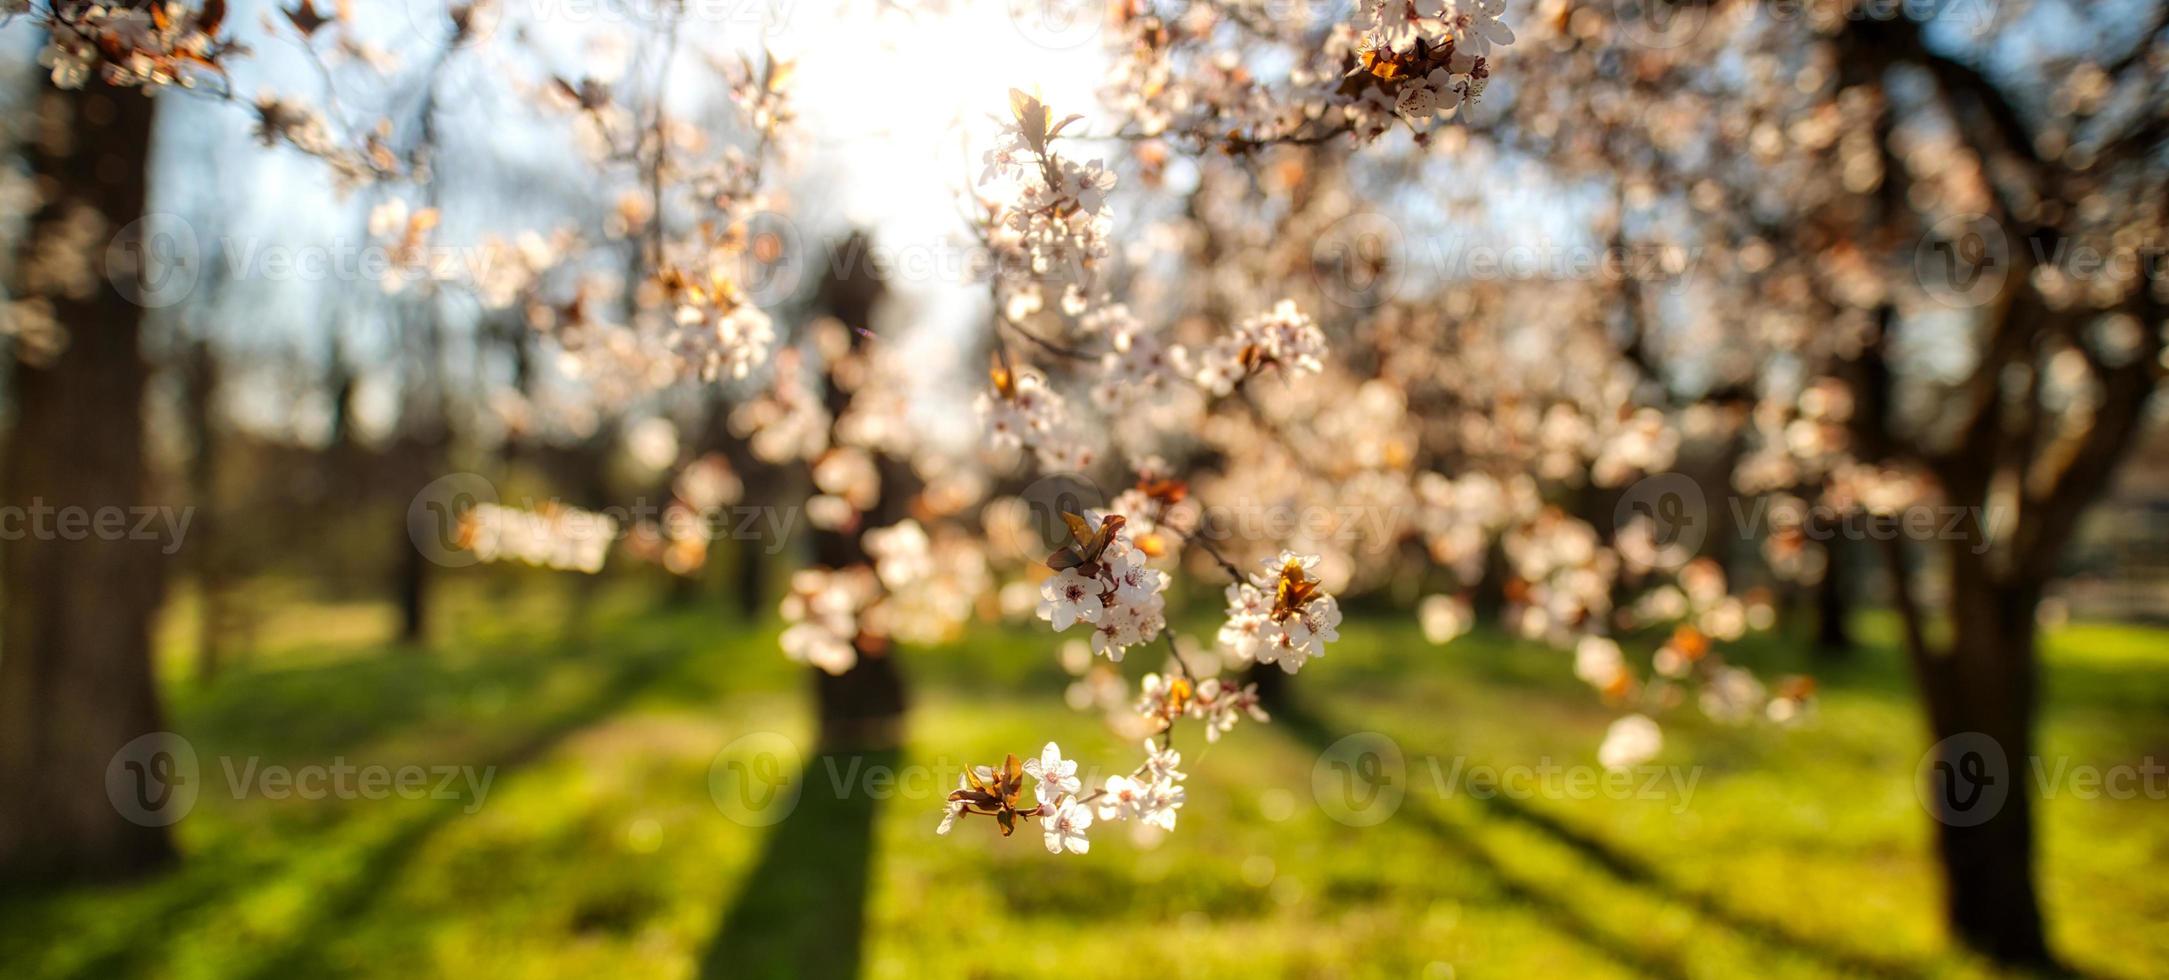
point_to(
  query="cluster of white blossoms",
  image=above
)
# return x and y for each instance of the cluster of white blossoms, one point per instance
(1021, 410)
(1178, 77)
(824, 609)
(1433, 52)
(552, 536)
(1150, 795)
(1281, 616)
(1702, 612)
(1138, 365)
(128, 45)
(405, 233)
(1109, 588)
(284, 119)
(1465, 28)
(1219, 704)
(719, 332)
(1057, 217)
(1281, 337)
(679, 542)
(933, 583)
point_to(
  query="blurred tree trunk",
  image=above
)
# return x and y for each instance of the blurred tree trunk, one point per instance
(1980, 693)
(411, 589)
(862, 708)
(1834, 603)
(750, 572)
(201, 368)
(1273, 687)
(1986, 687)
(750, 578)
(419, 454)
(76, 680)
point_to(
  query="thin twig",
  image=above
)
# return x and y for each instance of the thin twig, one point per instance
(1048, 345)
(1234, 572)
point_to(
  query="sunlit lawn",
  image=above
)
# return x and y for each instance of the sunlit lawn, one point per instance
(600, 850)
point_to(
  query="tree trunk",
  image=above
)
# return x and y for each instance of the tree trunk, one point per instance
(76, 681)
(1834, 604)
(1981, 704)
(1273, 686)
(861, 708)
(412, 589)
(200, 365)
(750, 576)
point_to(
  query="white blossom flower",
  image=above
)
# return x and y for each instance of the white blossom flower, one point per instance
(1248, 616)
(952, 809)
(1316, 624)
(1477, 26)
(1280, 616)
(1160, 801)
(1121, 597)
(1057, 776)
(1122, 797)
(1221, 705)
(1417, 101)
(1283, 647)
(1281, 337)
(1066, 827)
(1160, 762)
(1070, 597)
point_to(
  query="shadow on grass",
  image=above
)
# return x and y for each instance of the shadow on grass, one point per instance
(213, 879)
(802, 912)
(329, 915)
(1618, 864)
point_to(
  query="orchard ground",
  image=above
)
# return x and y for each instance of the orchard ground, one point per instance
(600, 847)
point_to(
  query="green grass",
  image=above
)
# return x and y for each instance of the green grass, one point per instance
(600, 850)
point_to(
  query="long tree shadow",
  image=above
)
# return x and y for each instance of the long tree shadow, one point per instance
(329, 914)
(802, 912)
(1635, 872)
